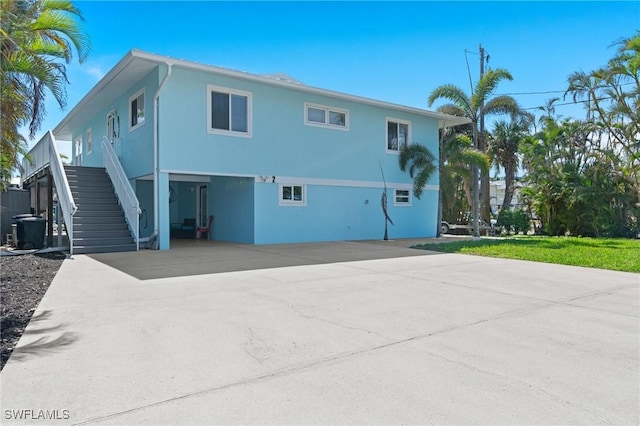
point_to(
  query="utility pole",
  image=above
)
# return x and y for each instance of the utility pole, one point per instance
(476, 173)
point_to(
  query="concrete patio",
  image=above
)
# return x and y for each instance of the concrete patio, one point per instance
(331, 333)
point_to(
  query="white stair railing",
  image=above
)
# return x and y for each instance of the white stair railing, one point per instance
(65, 197)
(126, 196)
(44, 154)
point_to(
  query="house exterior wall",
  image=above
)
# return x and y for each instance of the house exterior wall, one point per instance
(339, 169)
(281, 144)
(133, 147)
(231, 202)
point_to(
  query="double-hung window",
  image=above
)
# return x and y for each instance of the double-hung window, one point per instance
(398, 134)
(320, 115)
(136, 110)
(402, 197)
(292, 195)
(229, 111)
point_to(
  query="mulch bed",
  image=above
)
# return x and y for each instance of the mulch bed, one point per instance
(24, 280)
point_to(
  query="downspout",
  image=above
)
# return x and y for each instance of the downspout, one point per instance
(155, 152)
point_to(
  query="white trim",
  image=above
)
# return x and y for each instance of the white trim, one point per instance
(89, 138)
(386, 133)
(328, 110)
(268, 180)
(221, 89)
(292, 203)
(130, 114)
(395, 197)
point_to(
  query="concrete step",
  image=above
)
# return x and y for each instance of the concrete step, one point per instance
(99, 233)
(100, 220)
(107, 227)
(98, 213)
(103, 249)
(106, 241)
(99, 207)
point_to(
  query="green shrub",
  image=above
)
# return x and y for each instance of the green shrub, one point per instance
(515, 221)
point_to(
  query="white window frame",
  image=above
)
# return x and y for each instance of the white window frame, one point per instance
(139, 123)
(89, 140)
(386, 133)
(78, 142)
(328, 110)
(402, 203)
(220, 89)
(284, 202)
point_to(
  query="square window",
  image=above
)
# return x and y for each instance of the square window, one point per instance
(292, 195)
(229, 111)
(397, 135)
(316, 115)
(337, 118)
(402, 197)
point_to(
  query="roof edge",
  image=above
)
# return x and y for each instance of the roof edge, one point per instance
(444, 120)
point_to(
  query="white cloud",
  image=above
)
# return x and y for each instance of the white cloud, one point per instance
(94, 71)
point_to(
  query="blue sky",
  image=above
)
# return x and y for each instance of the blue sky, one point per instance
(392, 51)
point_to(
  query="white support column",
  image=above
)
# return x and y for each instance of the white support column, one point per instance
(164, 225)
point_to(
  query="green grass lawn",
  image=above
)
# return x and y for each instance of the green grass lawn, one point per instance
(604, 253)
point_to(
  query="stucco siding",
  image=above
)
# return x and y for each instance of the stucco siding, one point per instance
(280, 143)
(334, 213)
(231, 202)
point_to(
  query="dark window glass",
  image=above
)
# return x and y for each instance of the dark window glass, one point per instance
(239, 113)
(392, 136)
(220, 111)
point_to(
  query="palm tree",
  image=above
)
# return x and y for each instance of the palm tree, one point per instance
(476, 107)
(457, 157)
(503, 149)
(38, 38)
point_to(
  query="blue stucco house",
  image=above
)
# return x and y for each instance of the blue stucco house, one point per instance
(273, 160)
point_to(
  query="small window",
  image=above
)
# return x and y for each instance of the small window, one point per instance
(78, 145)
(229, 111)
(89, 141)
(397, 134)
(318, 115)
(292, 195)
(136, 110)
(402, 197)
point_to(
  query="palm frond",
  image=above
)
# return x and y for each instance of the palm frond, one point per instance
(422, 165)
(455, 95)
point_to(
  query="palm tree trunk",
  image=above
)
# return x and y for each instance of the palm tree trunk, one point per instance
(509, 180)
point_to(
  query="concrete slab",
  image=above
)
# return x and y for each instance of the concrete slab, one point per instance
(197, 257)
(447, 339)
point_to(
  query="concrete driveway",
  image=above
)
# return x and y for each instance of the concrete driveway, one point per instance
(406, 338)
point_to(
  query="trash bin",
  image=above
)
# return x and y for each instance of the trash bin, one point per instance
(17, 217)
(30, 232)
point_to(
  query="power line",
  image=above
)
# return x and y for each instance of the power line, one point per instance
(531, 93)
(573, 103)
(546, 91)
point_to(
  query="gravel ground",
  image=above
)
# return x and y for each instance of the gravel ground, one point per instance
(24, 280)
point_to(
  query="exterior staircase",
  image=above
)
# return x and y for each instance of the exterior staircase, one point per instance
(99, 225)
